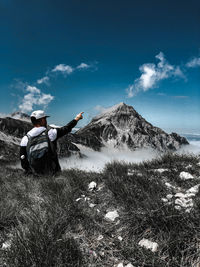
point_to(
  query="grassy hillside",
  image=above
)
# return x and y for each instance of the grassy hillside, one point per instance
(58, 221)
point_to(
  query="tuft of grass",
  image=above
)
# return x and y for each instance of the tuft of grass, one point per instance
(40, 241)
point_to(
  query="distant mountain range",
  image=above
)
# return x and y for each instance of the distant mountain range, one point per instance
(119, 126)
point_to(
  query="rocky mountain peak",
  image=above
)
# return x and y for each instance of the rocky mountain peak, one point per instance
(116, 110)
(121, 126)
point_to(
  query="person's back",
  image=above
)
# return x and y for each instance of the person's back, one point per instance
(38, 147)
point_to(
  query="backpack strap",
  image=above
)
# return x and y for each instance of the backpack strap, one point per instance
(29, 136)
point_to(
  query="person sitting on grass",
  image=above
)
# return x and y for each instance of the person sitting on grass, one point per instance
(38, 148)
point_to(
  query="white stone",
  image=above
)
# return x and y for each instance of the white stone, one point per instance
(181, 202)
(188, 210)
(91, 205)
(112, 215)
(100, 237)
(120, 264)
(194, 189)
(92, 186)
(78, 199)
(184, 201)
(164, 200)
(153, 246)
(190, 195)
(186, 176)
(169, 196)
(161, 170)
(120, 238)
(129, 265)
(94, 254)
(188, 166)
(6, 244)
(131, 172)
(180, 195)
(169, 185)
(102, 253)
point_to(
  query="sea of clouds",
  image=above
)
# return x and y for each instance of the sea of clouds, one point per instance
(96, 161)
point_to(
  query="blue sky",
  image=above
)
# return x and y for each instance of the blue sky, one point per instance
(71, 56)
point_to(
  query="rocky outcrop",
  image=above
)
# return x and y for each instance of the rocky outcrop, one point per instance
(9, 148)
(14, 127)
(121, 126)
(66, 148)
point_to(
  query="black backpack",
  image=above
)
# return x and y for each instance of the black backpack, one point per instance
(39, 153)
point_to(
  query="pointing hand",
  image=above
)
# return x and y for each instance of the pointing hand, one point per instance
(79, 116)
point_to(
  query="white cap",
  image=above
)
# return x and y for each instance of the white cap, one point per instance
(38, 114)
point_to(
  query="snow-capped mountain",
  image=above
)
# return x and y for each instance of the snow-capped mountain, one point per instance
(121, 126)
(20, 116)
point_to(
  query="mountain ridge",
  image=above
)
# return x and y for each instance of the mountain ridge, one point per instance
(122, 125)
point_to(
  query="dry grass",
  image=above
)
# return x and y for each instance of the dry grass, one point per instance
(45, 225)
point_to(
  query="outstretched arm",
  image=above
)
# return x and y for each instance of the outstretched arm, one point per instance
(67, 128)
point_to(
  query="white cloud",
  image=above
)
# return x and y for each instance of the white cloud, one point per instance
(33, 97)
(129, 91)
(179, 73)
(43, 80)
(83, 66)
(32, 89)
(152, 74)
(195, 62)
(45, 99)
(65, 69)
(96, 161)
